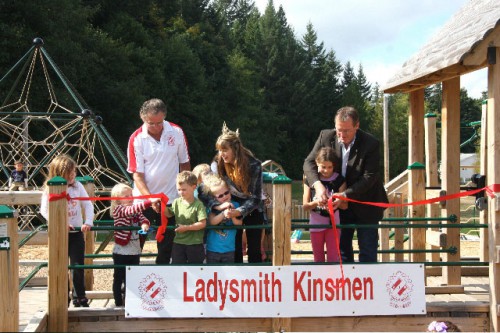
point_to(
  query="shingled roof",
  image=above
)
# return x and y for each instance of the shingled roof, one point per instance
(458, 48)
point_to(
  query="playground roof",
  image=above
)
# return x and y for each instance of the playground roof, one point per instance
(458, 48)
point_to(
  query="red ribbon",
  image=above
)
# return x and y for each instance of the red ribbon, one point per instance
(337, 238)
(164, 199)
(490, 190)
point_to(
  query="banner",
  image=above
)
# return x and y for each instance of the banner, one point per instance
(276, 291)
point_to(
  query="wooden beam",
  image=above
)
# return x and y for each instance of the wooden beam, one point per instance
(20, 197)
(456, 289)
(483, 164)
(477, 56)
(450, 170)
(493, 177)
(438, 76)
(431, 171)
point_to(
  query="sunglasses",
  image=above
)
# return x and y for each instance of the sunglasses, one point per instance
(220, 196)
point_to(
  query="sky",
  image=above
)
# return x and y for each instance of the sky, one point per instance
(378, 34)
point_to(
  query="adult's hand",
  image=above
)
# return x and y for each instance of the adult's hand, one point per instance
(321, 193)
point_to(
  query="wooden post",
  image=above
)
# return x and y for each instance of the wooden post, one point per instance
(450, 170)
(9, 270)
(493, 177)
(483, 165)
(398, 232)
(431, 170)
(386, 139)
(88, 183)
(58, 258)
(416, 127)
(384, 232)
(282, 220)
(416, 192)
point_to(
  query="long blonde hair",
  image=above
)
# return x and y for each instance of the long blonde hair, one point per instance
(239, 172)
(61, 166)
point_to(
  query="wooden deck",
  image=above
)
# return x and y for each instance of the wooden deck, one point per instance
(469, 310)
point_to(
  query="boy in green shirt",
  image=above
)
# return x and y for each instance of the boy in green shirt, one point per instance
(190, 216)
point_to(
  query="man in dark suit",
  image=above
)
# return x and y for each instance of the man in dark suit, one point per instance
(360, 156)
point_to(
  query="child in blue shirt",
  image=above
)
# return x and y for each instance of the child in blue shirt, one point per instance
(221, 242)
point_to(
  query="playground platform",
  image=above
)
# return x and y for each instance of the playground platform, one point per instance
(469, 310)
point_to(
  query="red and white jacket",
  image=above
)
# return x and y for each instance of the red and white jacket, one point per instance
(129, 216)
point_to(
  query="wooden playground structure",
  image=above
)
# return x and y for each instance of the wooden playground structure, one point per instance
(456, 50)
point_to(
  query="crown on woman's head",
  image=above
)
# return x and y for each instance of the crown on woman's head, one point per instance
(227, 131)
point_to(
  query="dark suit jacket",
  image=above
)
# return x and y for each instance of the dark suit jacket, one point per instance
(364, 182)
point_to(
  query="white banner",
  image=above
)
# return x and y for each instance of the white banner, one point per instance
(274, 291)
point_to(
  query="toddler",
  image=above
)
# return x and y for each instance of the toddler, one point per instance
(127, 249)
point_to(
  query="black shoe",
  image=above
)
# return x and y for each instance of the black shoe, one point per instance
(84, 302)
(76, 302)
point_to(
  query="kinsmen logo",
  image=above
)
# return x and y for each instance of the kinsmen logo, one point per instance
(400, 288)
(152, 290)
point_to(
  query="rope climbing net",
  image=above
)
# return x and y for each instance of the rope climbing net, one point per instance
(42, 116)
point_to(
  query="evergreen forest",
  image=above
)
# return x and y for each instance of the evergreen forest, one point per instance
(211, 61)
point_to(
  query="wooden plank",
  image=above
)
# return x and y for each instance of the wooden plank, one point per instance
(38, 323)
(312, 324)
(174, 325)
(450, 169)
(445, 290)
(20, 197)
(9, 295)
(435, 238)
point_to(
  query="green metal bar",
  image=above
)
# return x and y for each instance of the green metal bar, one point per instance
(389, 226)
(31, 50)
(31, 275)
(451, 218)
(94, 256)
(62, 78)
(169, 265)
(452, 250)
(32, 234)
(113, 142)
(120, 162)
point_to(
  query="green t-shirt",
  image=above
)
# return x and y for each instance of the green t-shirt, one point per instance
(187, 215)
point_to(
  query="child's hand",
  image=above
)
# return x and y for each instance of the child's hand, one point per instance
(182, 228)
(70, 227)
(85, 228)
(231, 213)
(225, 205)
(145, 227)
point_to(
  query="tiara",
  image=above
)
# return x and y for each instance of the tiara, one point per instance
(227, 131)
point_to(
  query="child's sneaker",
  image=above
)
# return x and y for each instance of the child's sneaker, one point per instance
(76, 303)
(83, 302)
